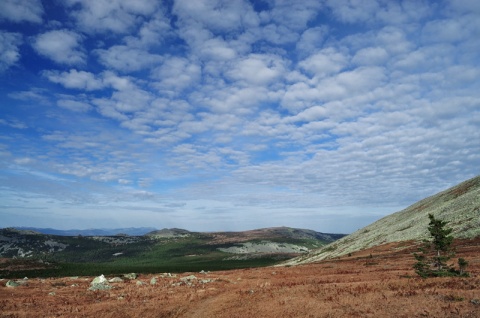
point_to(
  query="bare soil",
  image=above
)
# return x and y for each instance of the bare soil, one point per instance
(378, 282)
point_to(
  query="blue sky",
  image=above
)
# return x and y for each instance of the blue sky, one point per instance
(233, 115)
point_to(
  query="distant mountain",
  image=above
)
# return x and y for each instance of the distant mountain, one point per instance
(275, 233)
(259, 234)
(459, 206)
(167, 245)
(164, 233)
(133, 231)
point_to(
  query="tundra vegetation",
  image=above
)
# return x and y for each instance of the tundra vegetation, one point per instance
(377, 282)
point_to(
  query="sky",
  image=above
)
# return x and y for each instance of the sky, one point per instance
(233, 115)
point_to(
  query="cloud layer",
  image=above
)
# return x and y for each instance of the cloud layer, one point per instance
(216, 115)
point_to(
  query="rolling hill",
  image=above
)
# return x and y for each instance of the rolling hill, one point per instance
(459, 205)
(160, 250)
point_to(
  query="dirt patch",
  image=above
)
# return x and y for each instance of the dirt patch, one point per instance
(378, 282)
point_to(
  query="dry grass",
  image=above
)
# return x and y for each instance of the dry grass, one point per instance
(380, 285)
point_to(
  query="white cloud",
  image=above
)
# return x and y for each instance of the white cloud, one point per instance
(75, 79)
(131, 100)
(218, 15)
(393, 39)
(278, 34)
(17, 124)
(464, 6)
(370, 56)
(216, 49)
(73, 105)
(175, 75)
(325, 62)
(374, 11)
(115, 16)
(24, 161)
(9, 49)
(21, 10)
(107, 108)
(353, 11)
(294, 15)
(450, 30)
(34, 94)
(127, 59)
(238, 100)
(311, 40)
(61, 46)
(127, 97)
(257, 69)
(151, 33)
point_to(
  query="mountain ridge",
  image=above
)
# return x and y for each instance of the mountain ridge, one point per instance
(134, 231)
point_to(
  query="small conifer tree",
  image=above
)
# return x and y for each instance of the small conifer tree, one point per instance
(437, 252)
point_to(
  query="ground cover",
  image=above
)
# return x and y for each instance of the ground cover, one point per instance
(378, 282)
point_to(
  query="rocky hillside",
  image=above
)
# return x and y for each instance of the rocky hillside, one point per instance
(459, 205)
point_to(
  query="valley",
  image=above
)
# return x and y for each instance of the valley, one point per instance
(167, 250)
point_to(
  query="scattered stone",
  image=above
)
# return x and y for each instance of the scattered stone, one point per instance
(74, 277)
(153, 281)
(22, 282)
(100, 287)
(130, 276)
(115, 280)
(99, 283)
(139, 283)
(51, 294)
(188, 278)
(475, 301)
(12, 283)
(204, 272)
(99, 280)
(167, 275)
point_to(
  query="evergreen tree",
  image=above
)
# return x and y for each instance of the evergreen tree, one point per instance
(439, 248)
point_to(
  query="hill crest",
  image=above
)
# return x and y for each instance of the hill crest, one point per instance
(458, 205)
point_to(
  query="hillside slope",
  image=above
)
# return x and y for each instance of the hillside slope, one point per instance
(459, 205)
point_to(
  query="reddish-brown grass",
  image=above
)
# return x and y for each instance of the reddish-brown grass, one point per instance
(378, 282)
